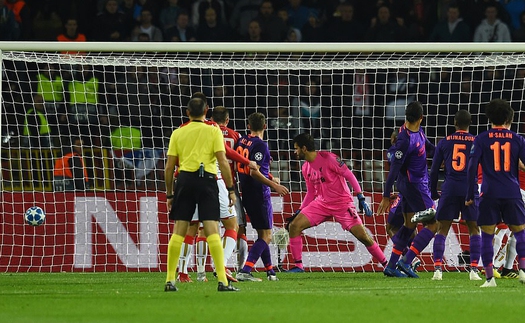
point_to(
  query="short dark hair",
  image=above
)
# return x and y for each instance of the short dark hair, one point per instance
(499, 112)
(463, 119)
(200, 95)
(256, 121)
(305, 140)
(220, 114)
(414, 111)
(196, 107)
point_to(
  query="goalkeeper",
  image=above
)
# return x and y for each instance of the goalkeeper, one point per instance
(328, 195)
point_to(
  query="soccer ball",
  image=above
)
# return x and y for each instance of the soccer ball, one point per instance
(35, 216)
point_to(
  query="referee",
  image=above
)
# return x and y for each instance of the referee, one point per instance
(196, 148)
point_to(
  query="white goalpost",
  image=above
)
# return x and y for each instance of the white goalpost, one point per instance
(123, 100)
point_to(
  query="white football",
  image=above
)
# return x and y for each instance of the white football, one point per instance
(35, 216)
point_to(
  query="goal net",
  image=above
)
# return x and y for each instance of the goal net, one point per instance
(117, 104)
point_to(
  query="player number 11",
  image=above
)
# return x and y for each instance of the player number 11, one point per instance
(497, 147)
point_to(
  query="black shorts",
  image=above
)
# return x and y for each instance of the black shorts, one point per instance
(192, 190)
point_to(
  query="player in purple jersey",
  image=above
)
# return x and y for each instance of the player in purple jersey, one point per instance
(409, 170)
(395, 218)
(453, 152)
(256, 198)
(327, 196)
(499, 151)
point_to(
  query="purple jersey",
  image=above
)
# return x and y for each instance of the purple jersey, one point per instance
(499, 151)
(256, 149)
(454, 152)
(409, 161)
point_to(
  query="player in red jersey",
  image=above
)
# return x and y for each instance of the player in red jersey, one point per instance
(221, 116)
(228, 218)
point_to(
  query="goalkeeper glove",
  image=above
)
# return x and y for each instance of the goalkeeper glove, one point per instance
(290, 219)
(363, 206)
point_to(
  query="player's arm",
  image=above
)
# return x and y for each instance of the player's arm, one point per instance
(472, 169)
(169, 169)
(434, 172)
(395, 167)
(521, 166)
(224, 166)
(238, 158)
(310, 192)
(258, 176)
(430, 148)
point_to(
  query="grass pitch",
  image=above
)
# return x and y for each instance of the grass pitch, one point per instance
(307, 297)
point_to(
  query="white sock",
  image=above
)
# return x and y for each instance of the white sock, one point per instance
(184, 258)
(498, 251)
(511, 253)
(229, 246)
(242, 253)
(202, 254)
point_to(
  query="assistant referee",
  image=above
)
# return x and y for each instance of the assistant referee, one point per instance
(196, 148)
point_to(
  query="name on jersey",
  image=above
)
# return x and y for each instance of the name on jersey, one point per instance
(246, 142)
(500, 135)
(460, 137)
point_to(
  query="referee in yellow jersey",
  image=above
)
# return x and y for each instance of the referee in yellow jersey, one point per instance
(196, 148)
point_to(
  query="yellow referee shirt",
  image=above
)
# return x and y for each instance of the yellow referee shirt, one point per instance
(196, 143)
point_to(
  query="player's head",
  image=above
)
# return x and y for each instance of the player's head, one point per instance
(200, 95)
(196, 108)
(414, 112)
(220, 115)
(393, 137)
(302, 142)
(499, 112)
(462, 119)
(256, 122)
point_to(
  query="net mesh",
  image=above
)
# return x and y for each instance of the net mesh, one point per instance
(124, 106)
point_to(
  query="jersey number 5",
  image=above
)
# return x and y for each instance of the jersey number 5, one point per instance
(459, 159)
(241, 168)
(497, 147)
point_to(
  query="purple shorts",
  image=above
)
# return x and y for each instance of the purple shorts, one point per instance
(449, 208)
(493, 211)
(416, 196)
(318, 212)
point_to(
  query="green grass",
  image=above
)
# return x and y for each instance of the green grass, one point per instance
(308, 297)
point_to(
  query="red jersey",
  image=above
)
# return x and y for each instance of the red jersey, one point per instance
(230, 139)
(521, 178)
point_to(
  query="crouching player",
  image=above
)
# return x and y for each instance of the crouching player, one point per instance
(328, 195)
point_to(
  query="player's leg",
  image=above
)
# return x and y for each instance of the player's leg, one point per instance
(254, 254)
(498, 246)
(182, 210)
(515, 213)
(209, 215)
(201, 255)
(419, 199)
(259, 208)
(507, 271)
(266, 256)
(351, 221)
(371, 245)
(475, 249)
(187, 252)
(174, 246)
(242, 240)
(228, 217)
(242, 247)
(439, 246)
